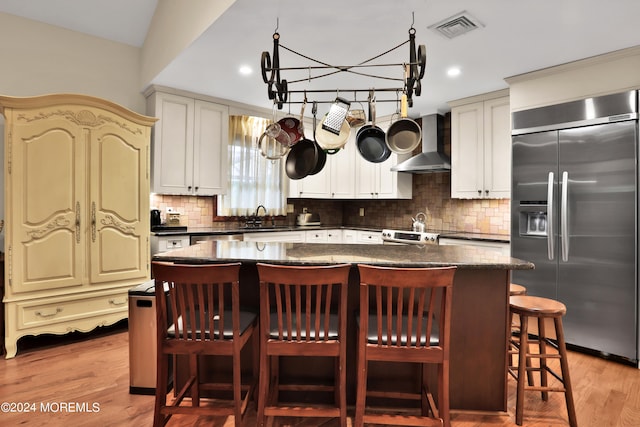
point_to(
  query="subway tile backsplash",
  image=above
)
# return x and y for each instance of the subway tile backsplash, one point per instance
(431, 195)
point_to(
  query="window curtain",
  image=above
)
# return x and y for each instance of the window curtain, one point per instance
(253, 179)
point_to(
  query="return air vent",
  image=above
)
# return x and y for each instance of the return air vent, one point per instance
(456, 25)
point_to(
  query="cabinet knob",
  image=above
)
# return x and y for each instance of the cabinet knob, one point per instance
(479, 192)
(486, 192)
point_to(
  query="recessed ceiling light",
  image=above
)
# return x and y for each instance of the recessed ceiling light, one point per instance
(245, 70)
(454, 72)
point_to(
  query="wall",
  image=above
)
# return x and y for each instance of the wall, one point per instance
(38, 59)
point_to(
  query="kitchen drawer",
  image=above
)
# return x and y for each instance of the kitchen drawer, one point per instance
(32, 314)
(368, 237)
(316, 236)
(334, 236)
(168, 243)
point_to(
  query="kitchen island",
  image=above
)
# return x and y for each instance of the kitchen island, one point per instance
(479, 314)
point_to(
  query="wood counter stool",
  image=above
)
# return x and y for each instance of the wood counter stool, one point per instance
(303, 312)
(542, 309)
(515, 289)
(205, 318)
(415, 305)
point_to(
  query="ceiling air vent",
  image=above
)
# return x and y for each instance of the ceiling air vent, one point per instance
(456, 25)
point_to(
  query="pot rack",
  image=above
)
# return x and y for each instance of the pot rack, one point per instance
(278, 88)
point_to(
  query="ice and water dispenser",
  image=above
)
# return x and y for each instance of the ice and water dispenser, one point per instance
(533, 219)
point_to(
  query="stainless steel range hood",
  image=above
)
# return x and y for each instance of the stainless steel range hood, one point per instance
(432, 159)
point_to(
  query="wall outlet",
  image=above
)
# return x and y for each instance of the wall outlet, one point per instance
(290, 208)
(361, 211)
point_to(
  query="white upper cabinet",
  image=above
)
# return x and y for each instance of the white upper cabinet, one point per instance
(347, 175)
(481, 147)
(377, 181)
(190, 142)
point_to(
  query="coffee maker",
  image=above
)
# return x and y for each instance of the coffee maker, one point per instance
(155, 218)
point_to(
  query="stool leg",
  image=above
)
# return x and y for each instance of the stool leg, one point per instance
(542, 336)
(522, 368)
(564, 366)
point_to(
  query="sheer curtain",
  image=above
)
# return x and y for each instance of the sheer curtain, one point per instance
(253, 179)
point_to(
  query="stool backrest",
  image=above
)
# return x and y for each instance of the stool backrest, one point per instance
(201, 303)
(406, 307)
(303, 303)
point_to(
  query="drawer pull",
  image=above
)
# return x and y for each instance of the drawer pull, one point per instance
(49, 314)
(117, 302)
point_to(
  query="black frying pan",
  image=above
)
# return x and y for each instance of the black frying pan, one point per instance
(371, 141)
(302, 159)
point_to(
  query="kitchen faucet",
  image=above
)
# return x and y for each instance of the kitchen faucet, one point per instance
(255, 220)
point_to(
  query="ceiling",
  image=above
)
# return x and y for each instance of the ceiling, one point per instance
(514, 37)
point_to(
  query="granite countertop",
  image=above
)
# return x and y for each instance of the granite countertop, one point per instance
(199, 231)
(323, 253)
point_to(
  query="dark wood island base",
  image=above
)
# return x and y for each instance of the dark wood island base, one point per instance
(479, 325)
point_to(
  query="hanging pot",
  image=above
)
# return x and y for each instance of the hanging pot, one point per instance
(293, 127)
(404, 135)
(370, 139)
(302, 159)
(270, 148)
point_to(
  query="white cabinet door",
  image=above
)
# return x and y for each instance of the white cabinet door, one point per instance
(349, 236)
(172, 147)
(334, 236)
(467, 133)
(481, 149)
(368, 237)
(168, 243)
(343, 177)
(190, 142)
(316, 236)
(497, 148)
(210, 147)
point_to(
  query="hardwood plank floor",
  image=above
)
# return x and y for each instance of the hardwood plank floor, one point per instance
(92, 369)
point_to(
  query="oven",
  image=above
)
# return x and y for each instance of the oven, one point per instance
(404, 237)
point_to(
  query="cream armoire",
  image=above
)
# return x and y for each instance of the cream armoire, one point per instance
(77, 213)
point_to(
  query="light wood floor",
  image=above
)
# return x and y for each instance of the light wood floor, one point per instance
(93, 369)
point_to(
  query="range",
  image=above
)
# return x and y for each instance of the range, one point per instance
(409, 237)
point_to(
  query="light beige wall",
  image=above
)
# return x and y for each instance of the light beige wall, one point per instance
(600, 75)
(175, 25)
(39, 58)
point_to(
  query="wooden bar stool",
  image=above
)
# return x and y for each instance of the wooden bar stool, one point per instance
(303, 313)
(541, 308)
(515, 289)
(203, 309)
(405, 316)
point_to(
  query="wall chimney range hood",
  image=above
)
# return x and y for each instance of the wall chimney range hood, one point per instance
(432, 159)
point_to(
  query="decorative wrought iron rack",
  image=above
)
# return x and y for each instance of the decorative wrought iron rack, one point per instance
(279, 90)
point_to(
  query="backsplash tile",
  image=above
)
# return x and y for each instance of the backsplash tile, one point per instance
(195, 212)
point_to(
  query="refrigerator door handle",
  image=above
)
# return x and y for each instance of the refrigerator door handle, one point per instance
(550, 225)
(564, 217)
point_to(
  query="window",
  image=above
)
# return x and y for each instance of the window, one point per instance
(253, 179)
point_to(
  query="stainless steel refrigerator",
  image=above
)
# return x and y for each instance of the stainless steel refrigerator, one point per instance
(574, 214)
